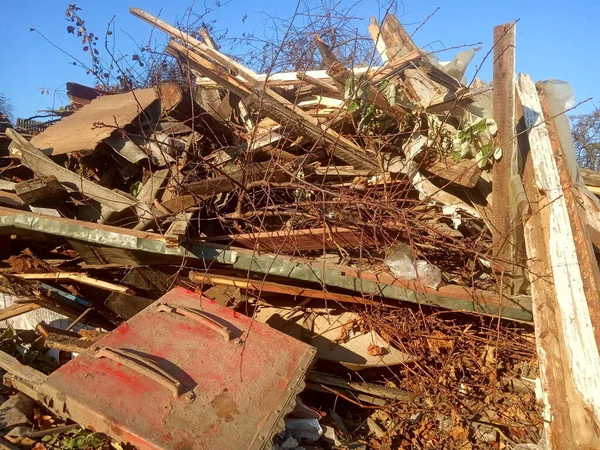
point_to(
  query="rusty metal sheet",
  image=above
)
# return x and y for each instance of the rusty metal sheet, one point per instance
(186, 373)
(81, 131)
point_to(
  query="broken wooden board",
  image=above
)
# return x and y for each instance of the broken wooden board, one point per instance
(16, 309)
(42, 165)
(564, 287)
(299, 240)
(148, 283)
(42, 189)
(94, 122)
(76, 277)
(464, 173)
(334, 335)
(398, 42)
(63, 340)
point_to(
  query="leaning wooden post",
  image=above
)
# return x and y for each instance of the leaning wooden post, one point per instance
(564, 286)
(504, 115)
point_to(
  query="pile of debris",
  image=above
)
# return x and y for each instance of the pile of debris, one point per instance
(404, 228)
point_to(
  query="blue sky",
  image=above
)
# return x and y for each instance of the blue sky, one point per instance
(555, 39)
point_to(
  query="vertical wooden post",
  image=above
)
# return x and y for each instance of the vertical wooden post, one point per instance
(504, 115)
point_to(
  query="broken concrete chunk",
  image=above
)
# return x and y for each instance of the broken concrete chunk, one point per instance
(16, 411)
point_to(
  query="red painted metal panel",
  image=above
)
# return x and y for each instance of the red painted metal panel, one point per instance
(186, 373)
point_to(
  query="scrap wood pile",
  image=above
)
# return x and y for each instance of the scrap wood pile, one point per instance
(365, 211)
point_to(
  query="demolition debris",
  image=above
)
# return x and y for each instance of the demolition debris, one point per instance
(403, 252)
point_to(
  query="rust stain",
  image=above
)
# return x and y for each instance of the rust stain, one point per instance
(225, 407)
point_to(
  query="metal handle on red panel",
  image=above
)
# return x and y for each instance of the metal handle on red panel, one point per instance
(142, 365)
(198, 316)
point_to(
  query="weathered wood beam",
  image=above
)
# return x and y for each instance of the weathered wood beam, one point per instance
(563, 285)
(375, 33)
(296, 240)
(504, 115)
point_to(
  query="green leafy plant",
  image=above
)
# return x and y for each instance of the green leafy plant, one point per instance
(78, 439)
(477, 141)
(356, 93)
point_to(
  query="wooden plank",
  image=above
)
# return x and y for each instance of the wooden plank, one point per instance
(74, 276)
(296, 240)
(564, 307)
(325, 86)
(178, 229)
(17, 309)
(291, 78)
(267, 286)
(504, 115)
(149, 191)
(464, 173)
(14, 367)
(80, 131)
(42, 165)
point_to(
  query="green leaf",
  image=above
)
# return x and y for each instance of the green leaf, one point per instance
(486, 150)
(47, 437)
(348, 87)
(456, 156)
(480, 126)
(135, 188)
(353, 106)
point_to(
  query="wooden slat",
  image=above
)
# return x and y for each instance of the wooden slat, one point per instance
(17, 309)
(42, 165)
(464, 173)
(77, 277)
